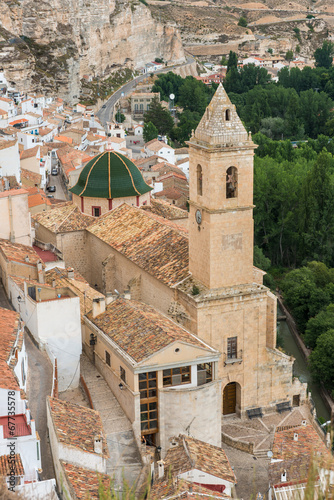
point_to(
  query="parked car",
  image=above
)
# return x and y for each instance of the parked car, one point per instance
(104, 106)
(54, 171)
(49, 196)
(51, 189)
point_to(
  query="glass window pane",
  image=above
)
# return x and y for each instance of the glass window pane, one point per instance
(152, 383)
(144, 416)
(153, 424)
(152, 375)
(144, 425)
(153, 415)
(167, 372)
(152, 393)
(142, 385)
(167, 381)
(143, 407)
(176, 371)
(142, 376)
(152, 406)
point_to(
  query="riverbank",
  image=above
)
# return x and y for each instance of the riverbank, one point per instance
(305, 352)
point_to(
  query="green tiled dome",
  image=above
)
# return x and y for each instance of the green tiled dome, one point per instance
(110, 175)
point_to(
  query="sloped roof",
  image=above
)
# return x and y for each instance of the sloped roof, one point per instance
(140, 330)
(191, 453)
(85, 483)
(29, 153)
(110, 175)
(64, 218)
(18, 253)
(165, 210)
(214, 129)
(10, 464)
(157, 245)
(29, 176)
(9, 324)
(76, 425)
(183, 489)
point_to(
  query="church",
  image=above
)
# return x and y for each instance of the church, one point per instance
(198, 282)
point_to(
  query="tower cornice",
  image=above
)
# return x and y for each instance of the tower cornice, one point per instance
(220, 210)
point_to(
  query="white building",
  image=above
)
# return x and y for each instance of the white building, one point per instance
(8, 105)
(52, 315)
(159, 148)
(10, 159)
(15, 217)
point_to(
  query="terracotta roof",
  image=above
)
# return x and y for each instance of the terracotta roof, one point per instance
(85, 483)
(156, 145)
(3, 112)
(165, 167)
(64, 218)
(9, 327)
(191, 453)
(165, 489)
(7, 144)
(71, 158)
(76, 425)
(18, 253)
(44, 131)
(110, 175)
(78, 285)
(63, 138)
(165, 210)
(9, 463)
(20, 120)
(29, 153)
(170, 193)
(158, 246)
(37, 196)
(28, 175)
(6, 99)
(13, 192)
(140, 330)
(182, 151)
(297, 455)
(176, 175)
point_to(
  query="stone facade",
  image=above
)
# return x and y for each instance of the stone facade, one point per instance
(87, 205)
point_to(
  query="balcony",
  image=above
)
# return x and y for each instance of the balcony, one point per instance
(232, 359)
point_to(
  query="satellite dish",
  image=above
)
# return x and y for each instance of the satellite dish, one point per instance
(269, 454)
(172, 97)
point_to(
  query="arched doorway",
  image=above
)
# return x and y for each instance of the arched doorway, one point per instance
(231, 398)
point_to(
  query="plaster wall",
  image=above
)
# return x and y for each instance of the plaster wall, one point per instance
(10, 160)
(15, 218)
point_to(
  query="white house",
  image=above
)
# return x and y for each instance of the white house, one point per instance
(116, 130)
(8, 105)
(159, 148)
(17, 429)
(10, 159)
(14, 216)
(138, 129)
(193, 461)
(52, 315)
(76, 436)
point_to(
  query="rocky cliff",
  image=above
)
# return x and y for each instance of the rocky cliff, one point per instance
(50, 45)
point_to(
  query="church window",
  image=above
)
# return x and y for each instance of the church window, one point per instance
(199, 180)
(228, 115)
(231, 182)
(176, 376)
(96, 211)
(232, 347)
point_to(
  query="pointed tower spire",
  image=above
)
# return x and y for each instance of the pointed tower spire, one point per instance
(220, 123)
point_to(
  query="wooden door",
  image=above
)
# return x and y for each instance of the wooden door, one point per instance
(229, 398)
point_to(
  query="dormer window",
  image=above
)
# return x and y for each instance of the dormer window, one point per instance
(231, 182)
(228, 115)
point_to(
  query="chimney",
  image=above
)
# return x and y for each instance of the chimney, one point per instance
(110, 298)
(99, 306)
(98, 444)
(70, 273)
(53, 283)
(26, 258)
(295, 436)
(40, 272)
(127, 294)
(161, 469)
(283, 476)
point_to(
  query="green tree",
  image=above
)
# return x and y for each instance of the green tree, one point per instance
(318, 325)
(160, 117)
(232, 61)
(242, 22)
(223, 61)
(193, 95)
(150, 131)
(289, 55)
(120, 118)
(324, 56)
(322, 359)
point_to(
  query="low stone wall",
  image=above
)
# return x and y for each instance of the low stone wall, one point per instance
(238, 445)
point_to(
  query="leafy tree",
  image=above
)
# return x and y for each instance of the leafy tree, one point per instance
(322, 359)
(318, 325)
(150, 131)
(223, 61)
(160, 117)
(289, 55)
(120, 118)
(193, 95)
(232, 61)
(242, 22)
(270, 50)
(298, 49)
(166, 84)
(187, 123)
(324, 56)
(272, 127)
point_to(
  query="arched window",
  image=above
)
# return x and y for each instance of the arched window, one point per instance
(228, 115)
(231, 182)
(199, 180)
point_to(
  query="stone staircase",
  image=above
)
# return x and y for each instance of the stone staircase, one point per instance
(124, 463)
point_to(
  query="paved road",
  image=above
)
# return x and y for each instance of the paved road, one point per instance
(60, 194)
(105, 114)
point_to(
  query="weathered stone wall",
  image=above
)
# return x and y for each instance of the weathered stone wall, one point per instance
(73, 247)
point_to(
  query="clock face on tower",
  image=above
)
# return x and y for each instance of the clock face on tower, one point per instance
(198, 216)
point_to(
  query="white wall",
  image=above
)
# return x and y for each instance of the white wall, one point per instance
(19, 406)
(15, 219)
(10, 161)
(198, 476)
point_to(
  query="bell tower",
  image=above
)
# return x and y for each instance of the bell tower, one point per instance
(221, 197)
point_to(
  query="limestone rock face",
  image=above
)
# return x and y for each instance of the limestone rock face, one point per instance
(51, 45)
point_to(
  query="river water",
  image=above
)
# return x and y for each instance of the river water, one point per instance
(300, 368)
